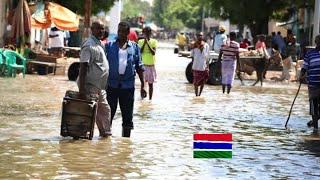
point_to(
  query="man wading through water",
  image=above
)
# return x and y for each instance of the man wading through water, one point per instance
(93, 75)
(230, 59)
(200, 63)
(124, 59)
(311, 68)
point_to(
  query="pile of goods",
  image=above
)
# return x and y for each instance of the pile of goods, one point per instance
(257, 52)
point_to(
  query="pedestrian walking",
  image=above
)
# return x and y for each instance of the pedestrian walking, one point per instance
(93, 75)
(230, 55)
(148, 47)
(182, 41)
(280, 43)
(293, 49)
(310, 70)
(220, 39)
(57, 41)
(125, 61)
(200, 54)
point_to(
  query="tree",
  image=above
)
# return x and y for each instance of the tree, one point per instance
(135, 8)
(177, 14)
(255, 14)
(159, 9)
(78, 6)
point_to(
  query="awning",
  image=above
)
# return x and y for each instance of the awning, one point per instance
(54, 14)
(286, 23)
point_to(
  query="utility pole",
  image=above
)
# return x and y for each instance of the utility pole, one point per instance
(87, 16)
(202, 24)
(115, 17)
(307, 35)
(316, 20)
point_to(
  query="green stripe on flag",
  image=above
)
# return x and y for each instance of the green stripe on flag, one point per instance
(212, 154)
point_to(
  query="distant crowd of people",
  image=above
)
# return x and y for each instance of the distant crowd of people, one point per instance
(228, 49)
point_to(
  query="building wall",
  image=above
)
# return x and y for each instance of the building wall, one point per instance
(272, 27)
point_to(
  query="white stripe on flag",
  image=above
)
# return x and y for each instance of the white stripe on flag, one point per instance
(212, 149)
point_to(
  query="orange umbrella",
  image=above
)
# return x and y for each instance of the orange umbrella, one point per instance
(40, 18)
(61, 17)
(21, 24)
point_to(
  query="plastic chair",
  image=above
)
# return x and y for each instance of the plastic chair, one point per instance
(11, 62)
(2, 63)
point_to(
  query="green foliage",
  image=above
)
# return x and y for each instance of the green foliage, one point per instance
(159, 9)
(78, 6)
(177, 14)
(135, 8)
(255, 14)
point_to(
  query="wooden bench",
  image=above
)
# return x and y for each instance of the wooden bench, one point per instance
(46, 65)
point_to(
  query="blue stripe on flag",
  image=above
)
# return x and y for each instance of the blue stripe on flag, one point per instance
(208, 145)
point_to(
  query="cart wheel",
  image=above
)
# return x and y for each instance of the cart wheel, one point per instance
(73, 71)
(176, 50)
(214, 73)
(41, 70)
(189, 74)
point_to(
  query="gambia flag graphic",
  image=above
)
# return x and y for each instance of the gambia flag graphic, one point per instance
(212, 145)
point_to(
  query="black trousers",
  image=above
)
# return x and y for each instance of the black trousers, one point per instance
(125, 97)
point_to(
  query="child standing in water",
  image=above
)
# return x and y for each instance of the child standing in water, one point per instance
(148, 47)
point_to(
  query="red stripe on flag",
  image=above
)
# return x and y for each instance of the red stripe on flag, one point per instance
(212, 137)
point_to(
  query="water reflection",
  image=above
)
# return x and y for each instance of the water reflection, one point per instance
(92, 159)
(161, 143)
(311, 143)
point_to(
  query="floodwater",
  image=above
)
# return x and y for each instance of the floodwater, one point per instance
(161, 146)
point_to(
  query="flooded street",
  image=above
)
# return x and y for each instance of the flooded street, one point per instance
(161, 146)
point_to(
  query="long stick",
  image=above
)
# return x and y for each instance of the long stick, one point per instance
(292, 105)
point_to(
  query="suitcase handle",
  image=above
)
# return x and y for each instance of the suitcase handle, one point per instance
(90, 103)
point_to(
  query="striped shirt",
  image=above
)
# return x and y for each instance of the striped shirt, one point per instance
(230, 52)
(311, 63)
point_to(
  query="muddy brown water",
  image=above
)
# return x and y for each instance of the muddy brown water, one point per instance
(161, 144)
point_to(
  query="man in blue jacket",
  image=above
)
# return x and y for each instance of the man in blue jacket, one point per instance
(124, 62)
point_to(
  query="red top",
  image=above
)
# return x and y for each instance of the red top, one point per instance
(132, 36)
(290, 37)
(105, 40)
(244, 45)
(260, 44)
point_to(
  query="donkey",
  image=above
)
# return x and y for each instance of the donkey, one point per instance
(260, 65)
